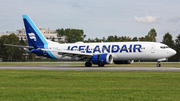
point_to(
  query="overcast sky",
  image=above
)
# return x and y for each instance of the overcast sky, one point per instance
(98, 18)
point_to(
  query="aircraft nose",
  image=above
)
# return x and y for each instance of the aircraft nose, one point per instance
(172, 52)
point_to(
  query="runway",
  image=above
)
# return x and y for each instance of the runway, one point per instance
(78, 68)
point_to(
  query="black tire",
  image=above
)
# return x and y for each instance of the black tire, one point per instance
(101, 65)
(88, 64)
(158, 65)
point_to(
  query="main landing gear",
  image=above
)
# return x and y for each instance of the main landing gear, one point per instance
(101, 65)
(158, 64)
(89, 64)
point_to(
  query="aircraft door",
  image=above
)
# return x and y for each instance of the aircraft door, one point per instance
(152, 48)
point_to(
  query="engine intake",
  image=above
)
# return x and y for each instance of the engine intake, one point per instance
(102, 59)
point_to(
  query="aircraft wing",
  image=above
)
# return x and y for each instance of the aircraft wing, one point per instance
(19, 46)
(73, 54)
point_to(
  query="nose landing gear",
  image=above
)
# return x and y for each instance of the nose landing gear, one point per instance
(159, 60)
(158, 64)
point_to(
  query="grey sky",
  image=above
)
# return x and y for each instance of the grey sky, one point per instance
(98, 18)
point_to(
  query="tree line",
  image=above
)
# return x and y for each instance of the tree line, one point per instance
(73, 35)
(19, 54)
(12, 53)
(151, 36)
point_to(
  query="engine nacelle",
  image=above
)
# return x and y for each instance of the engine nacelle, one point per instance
(102, 59)
(123, 62)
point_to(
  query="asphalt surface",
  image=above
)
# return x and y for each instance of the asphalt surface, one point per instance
(77, 68)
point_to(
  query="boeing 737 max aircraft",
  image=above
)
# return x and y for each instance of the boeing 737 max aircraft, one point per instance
(94, 53)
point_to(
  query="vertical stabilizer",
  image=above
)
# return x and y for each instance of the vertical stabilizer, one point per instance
(36, 39)
(34, 36)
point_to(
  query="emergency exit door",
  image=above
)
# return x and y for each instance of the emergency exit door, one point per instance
(152, 48)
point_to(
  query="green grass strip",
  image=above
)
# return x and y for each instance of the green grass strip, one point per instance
(24, 85)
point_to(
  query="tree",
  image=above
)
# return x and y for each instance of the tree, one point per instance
(168, 40)
(111, 39)
(21, 42)
(116, 39)
(73, 35)
(60, 32)
(97, 40)
(148, 38)
(177, 47)
(124, 38)
(134, 39)
(141, 39)
(10, 53)
(152, 33)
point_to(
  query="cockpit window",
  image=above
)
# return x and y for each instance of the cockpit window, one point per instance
(164, 47)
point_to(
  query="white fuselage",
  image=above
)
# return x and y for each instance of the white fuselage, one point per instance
(119, 50)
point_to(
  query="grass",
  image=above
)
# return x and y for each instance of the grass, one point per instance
(40, 64)
(136, 64)
(24, 85)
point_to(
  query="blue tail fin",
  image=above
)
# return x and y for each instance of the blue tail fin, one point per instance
(34, 36)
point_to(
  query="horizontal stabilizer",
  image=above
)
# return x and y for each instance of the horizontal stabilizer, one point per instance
(29, 47)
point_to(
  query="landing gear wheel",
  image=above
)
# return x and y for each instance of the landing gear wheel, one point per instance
(88, 64)
(101, 65)
(158, 65)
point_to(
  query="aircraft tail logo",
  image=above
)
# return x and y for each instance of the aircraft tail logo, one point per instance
(32, 36)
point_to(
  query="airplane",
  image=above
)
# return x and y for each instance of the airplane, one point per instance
(99, 53)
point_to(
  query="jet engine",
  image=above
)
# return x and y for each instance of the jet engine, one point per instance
(102, 59)
(123, 62)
